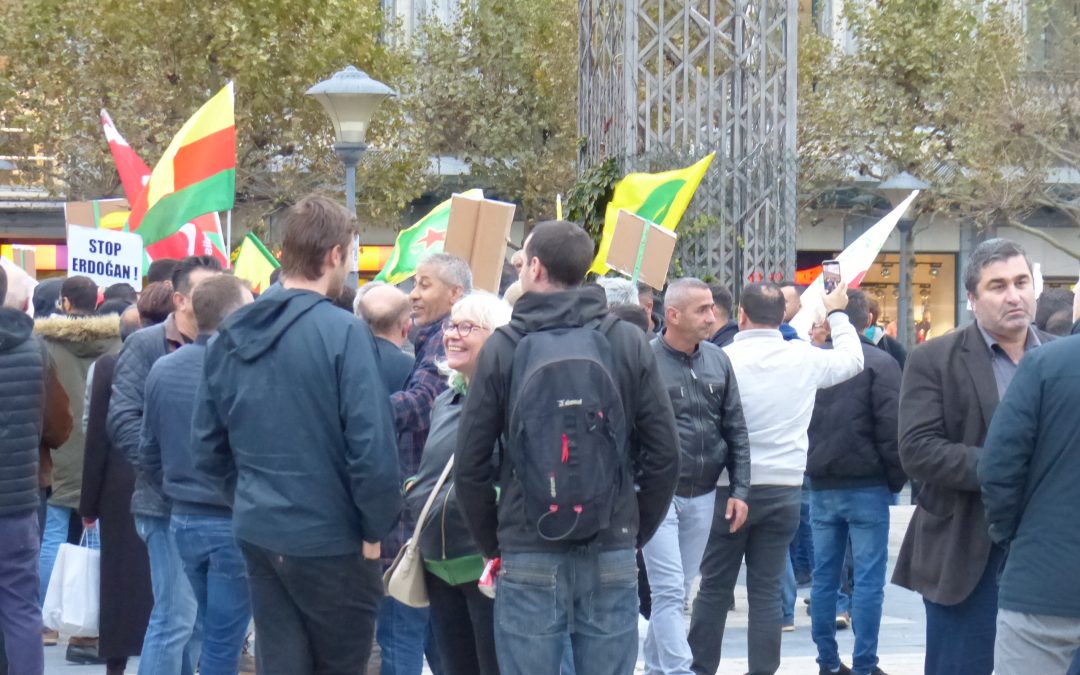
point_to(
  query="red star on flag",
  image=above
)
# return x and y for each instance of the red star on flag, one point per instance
(432, 237)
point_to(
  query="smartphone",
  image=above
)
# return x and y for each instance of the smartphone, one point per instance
(830, 270)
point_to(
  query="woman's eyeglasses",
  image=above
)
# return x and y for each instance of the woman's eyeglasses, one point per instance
(462, 328)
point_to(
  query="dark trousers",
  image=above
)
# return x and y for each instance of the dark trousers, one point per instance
(313, 615)
(764, 541)
(960, 638)
(463, 620)
(20, 614)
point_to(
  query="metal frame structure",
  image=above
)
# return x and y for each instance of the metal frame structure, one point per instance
(662, 83)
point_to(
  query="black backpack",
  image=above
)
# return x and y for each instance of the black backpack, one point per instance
(568, 431)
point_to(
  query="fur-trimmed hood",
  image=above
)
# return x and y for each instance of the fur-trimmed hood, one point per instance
(84, 336)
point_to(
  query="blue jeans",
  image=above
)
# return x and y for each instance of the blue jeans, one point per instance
(590, 594)
(403, 634)
(57, 519)
(215, 567)
(863, 515)
(20, 613)
(673, 558)
(172, 637)
(788, 594)
(960, 638)
(802, 546)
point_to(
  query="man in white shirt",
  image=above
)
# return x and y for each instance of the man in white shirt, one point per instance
(778, 381)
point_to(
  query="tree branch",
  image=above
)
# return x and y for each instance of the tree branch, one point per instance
(1036, 232)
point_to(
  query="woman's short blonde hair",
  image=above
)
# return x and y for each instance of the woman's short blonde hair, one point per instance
(483, 309)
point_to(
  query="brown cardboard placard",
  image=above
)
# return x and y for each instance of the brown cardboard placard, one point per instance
(26, 258)
(477, 232)
(627, 243)
(83, 213)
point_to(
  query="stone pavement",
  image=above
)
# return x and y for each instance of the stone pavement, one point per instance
(900, 648)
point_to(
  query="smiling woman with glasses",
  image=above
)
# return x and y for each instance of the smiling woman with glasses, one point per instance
(462, 618)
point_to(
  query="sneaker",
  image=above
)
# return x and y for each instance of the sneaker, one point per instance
(50, 638)
(788, 627)
(843, 670)
(83, 651)
(843, 621)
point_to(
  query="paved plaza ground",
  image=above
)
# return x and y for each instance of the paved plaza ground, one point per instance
(900, 649)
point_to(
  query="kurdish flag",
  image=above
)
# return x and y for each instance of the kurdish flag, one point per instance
(661, 198)
(425, 237)
(201, 236)
(196, 175)
(254, 263)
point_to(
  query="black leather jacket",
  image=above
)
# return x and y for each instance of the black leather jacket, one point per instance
(709, 417)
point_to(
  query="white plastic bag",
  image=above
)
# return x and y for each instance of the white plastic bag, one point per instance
(72, 601)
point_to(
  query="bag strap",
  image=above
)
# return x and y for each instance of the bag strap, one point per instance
(431, 500)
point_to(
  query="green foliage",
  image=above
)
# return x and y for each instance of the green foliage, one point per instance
(153, 63)
(932, 88)
(497, 88)
(588, 198)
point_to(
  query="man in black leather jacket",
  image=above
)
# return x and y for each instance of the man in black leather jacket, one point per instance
(712, 437)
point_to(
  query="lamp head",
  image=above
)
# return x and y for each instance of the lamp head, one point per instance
(350, 98)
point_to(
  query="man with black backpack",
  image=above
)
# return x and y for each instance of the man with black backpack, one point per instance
(587, 471)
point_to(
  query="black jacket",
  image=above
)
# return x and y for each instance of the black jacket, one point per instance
(1029, 472)
(852, 434)
(292, 423)
(653, 461)
(726, 334)
(23, 369)
(709, 416)
(124, 423)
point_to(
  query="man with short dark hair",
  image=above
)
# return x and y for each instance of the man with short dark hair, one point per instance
(201, 518)
(950, 389)
(75, 340)
(34, 412)
(168, 645)
(723, 304)
(712, 439)
(778, 380)
(557, 579)
(292, 426)
(854, 467)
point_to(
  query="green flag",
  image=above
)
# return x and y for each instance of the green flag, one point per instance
(427, 236)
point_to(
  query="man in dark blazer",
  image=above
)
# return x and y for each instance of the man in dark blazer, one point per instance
(950, 388)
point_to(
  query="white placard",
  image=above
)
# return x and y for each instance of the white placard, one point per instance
(106, 256)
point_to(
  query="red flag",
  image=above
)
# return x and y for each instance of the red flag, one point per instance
(201, 236)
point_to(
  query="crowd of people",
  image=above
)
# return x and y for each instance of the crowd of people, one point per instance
(568, 455)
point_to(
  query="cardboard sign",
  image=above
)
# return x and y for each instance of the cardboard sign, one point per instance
(26, 258)
(477, 232)
(89, 214)
(106, 256)
(641, 250)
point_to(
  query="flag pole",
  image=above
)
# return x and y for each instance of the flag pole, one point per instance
(228, 234)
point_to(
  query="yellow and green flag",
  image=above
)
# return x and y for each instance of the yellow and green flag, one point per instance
(254, 263)
(427, 236)
(661, 198)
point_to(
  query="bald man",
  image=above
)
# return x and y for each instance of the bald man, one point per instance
(386, 310)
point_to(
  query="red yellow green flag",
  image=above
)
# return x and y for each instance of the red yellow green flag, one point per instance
(660, 198)
(425, 237)
(196, 175)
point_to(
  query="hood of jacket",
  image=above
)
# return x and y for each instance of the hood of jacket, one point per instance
(15, 328)
(83, 336)
(253, 330)
(563, 309)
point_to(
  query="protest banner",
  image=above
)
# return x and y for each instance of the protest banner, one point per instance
(641, 249)
(477, 233)
(106, 256)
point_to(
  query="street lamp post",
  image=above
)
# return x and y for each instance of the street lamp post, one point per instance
(350, 98)
(896, 189)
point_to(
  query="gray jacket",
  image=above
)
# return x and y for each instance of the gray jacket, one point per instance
(709, 417)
